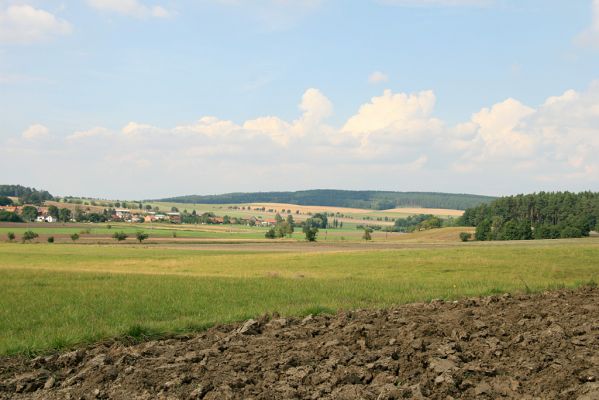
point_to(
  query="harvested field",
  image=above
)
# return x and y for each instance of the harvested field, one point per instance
(542, 346)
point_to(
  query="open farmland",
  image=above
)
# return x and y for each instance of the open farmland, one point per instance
(74, 293)
(300, 212)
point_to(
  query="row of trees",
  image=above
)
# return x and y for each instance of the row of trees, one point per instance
(544, 215)
(417, 223)
(286, 227)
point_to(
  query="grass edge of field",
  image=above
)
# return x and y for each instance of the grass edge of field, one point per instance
(138, 333)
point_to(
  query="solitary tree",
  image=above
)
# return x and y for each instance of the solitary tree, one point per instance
(53, 212)
(75, 237)
(141, 236)
(64, 215)
(367, 235)
(465, 236)
(29, 213)
(310, 232)
(29, 236)
(11, 236)
(50, 239)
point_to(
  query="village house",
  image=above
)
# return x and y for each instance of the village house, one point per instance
(122, 214)
(174, 217)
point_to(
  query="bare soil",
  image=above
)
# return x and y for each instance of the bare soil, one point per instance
(542, 346)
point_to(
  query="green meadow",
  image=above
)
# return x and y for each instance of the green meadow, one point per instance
(56, 296)
(154, 230)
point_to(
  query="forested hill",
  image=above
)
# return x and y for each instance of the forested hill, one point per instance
(25, 194)
(377, 200)
(536, 216)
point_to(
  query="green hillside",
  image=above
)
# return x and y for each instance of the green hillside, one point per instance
(376, 200)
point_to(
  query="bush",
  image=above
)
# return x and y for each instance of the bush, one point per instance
(75, 237)
(7, 216)
(366, 235)
(11, 236)
(465, 236)
(50, 239)
(29, 236)
(570, 232)
(120, 236)
(270, 234)
(141, 236)
(5, 201)
(310, 233)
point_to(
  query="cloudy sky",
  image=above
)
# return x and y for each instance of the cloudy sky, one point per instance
(150, 98)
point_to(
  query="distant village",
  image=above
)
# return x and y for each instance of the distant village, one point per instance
(55, 214)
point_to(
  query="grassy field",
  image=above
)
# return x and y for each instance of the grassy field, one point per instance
(55, 296)
(154, 230)
(351, 215)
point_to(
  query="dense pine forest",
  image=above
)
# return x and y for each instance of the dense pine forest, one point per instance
(376, 200)
(535, 216)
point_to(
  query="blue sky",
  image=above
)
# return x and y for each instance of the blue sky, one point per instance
(137, 99)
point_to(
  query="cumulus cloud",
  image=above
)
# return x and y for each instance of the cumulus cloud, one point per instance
(590, 37)
(378, 77)
(97, 132)
(35, 132)
(393, 141)
(397, 117)
(22, 24)
(131, 8)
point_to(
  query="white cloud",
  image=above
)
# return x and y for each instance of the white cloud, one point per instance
(399, 118)
(557, 139)
(393, 141)
(131, 8)
(378, 77)
(590, 37)
(36, 132)
(97, 132)
(21, 24)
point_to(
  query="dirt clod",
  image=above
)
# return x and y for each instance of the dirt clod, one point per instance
(502, 347)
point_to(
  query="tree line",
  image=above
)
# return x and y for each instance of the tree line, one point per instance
(26, 195)
(543, 215)
(377, 200)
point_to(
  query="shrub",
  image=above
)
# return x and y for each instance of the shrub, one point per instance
(50, 239)
(141, 236)
(120, 236)
(465, 236)
(75, 237)
(570, 232)
(29, 236)
(310, 233)
(11, 236)
(174, 234)
(366, 235)
(270, 234)
(7, 216)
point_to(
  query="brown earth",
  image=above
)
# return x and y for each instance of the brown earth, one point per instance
(502, 347)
